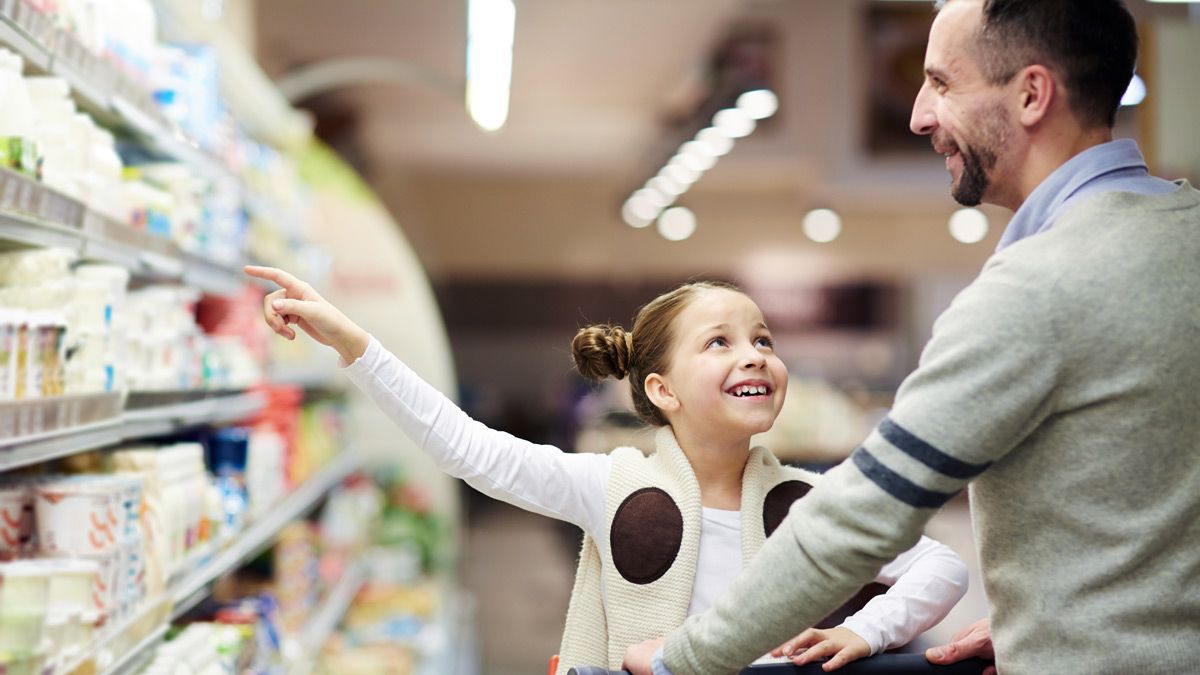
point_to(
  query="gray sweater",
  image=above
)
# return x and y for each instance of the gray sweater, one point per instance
(1064, 386)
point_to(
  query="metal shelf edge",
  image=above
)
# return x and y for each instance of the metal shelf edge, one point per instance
(326, 618)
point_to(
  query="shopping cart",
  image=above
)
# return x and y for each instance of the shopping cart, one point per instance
(882, 664)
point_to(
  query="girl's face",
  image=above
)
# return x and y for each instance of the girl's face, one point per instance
(724, 378)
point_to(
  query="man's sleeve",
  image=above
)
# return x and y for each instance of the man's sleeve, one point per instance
(986, 379)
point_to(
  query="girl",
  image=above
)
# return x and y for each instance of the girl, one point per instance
(664, 534)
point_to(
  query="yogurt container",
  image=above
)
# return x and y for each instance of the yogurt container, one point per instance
(24, 590)
(16, 519)
(76, 516)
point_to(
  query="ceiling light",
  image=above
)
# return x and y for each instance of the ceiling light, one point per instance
(758, 104)
(695, 160)
(490, 26)
(638, 212)
(969, 226)
(681, 174)
(677, 223)
(1136, 93)
(718, 142)
(822, 225)
(734, 123)
(654, 197)
(666, 186)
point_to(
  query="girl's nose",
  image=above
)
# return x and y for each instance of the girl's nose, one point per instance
(754, 359)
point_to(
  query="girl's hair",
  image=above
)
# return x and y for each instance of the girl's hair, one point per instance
(607, 350)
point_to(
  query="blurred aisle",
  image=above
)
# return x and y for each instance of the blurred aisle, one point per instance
(520, 566)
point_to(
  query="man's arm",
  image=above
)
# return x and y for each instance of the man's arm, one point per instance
(986, 380)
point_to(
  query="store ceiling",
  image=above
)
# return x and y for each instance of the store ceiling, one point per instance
(595, 83)
(590, 79)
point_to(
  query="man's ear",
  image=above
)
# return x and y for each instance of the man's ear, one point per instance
(1037, 92)
(660, 394)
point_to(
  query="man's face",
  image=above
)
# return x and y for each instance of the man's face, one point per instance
(961, 112)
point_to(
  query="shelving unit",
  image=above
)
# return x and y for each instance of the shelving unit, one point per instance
(34, 215)
(99, 89)
(25, 208)
(193, 588)
(110, 657)
(302, 652)
(129, 425)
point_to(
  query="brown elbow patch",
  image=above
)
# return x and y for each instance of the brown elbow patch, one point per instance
(779, 500)
(647, 532)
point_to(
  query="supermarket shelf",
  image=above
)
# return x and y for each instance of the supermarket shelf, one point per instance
(194, 588)
(168, 419)
(31, 214)
(27, 231)
(114, 656)
(117, 427)
(139, 656)
(16, 21)
(15, 453)
(98, 88)
(325, 620)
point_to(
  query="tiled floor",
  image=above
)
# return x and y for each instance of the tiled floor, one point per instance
(519, 566)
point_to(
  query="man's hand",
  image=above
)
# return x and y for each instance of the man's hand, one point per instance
(841, 645)
(974, 640)
(638, 657)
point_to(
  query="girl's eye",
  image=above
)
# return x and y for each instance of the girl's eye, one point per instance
(716, 342)
(765, 342)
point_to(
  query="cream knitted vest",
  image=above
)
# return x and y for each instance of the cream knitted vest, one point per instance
(596, 634)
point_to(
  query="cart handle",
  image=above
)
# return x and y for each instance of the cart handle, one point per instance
(882, 664)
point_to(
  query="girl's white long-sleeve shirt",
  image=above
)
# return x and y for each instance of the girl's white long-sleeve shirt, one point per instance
(925, 581)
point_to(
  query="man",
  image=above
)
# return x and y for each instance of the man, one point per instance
(1063, 384)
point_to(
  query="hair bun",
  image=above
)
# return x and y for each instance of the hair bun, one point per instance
(602, 351)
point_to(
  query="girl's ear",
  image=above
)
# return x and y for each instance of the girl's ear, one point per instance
(660, 394)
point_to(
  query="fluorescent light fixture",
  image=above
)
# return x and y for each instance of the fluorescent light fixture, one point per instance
(734, 123)
(677, 223)
(969, 226)
(758, 104)
(638, 212)
(666, 186)
(718, 142)
(654, 197)
(1136, 93)
(490, 26)
(822, 225)
(681, 174)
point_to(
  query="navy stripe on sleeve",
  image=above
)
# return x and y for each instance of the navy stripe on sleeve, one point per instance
(896, 485)
(923, 452)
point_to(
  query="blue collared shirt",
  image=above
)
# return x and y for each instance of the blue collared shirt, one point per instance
(1109, 167)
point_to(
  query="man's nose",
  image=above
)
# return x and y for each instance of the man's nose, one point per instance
(924, 120)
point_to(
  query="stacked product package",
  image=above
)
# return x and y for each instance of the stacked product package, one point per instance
(90, 555)
(60, 328)
(77, 552)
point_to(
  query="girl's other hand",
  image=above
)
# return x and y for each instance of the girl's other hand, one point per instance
(296, 303)
(841, 645)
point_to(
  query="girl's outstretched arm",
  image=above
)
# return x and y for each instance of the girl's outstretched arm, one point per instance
(538, 478)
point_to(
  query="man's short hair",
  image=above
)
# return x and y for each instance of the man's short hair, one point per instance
(1091, 44)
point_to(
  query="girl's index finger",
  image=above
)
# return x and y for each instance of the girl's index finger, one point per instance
(273, 274)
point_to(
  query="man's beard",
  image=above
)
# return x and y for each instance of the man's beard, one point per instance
(975, 179)
(979, 159)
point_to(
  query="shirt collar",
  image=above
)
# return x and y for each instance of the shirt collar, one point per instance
(1045, 201)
